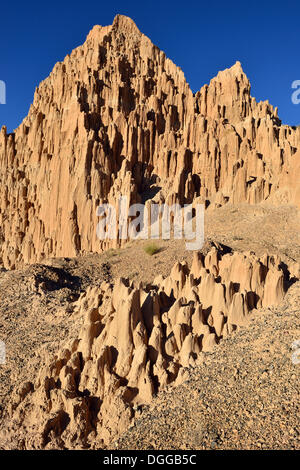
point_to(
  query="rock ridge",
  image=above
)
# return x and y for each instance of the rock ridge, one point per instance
(136, 340)
(118, 117)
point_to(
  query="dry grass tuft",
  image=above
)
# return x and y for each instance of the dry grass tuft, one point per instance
(151, 249)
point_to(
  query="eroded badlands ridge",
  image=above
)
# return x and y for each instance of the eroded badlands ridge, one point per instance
(118, 117)
(134, 341)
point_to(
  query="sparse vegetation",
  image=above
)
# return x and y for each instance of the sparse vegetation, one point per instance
(151, 249)
(112, 252)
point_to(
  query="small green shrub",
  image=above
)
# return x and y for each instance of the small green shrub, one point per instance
(151, 249)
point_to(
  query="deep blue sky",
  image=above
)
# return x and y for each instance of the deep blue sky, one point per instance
(200, 37)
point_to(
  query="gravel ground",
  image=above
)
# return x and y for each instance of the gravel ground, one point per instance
(245, 395)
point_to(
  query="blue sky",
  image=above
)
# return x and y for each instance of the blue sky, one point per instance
(200, 37)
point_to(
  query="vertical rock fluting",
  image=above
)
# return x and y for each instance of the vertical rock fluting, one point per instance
(116, 116)
(134, 341)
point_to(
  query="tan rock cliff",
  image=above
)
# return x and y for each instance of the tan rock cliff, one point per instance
(117, 116)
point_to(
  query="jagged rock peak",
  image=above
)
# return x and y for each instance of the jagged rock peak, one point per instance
(125, 24)
(235, 69)
(121, 24)
(118, 117)
(134, 342)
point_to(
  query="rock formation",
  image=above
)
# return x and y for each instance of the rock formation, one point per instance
(118, 117)
(134, 341)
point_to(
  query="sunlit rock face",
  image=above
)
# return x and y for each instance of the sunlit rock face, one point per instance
(118, 117)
